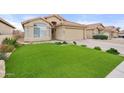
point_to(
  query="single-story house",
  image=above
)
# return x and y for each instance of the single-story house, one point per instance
(6, 28)
(52, 27)
(55, 27)
(93, 29)
(111, 31)
(98, 28)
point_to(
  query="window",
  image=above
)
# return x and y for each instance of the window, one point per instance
(40, 30)
(54, 23)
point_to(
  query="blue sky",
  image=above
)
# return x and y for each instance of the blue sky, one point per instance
(107, 19)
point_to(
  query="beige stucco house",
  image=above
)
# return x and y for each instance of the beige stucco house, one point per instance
(93, 29)
(55, 27)
(111, 31)
(6, 28)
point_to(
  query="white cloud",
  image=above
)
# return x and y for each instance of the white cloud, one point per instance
(87, 22)
(117, 23)
(17, 25)
(29, 17)
(11, 20)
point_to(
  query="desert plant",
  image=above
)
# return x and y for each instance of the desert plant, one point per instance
(97, 48)
(84, 45)
(2, 56)
(113, 51)
(74, 42)
(6, 48)
(10, 41)
(64, 42)
(102, 37)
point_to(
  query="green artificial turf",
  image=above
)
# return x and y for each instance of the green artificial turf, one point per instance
(51, 60)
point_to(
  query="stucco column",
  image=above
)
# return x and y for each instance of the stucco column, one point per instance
(84, 34)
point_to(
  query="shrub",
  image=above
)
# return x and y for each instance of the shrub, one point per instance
(10, 41)
(64, 42)
(113, 51)
(58, 43)
(74, 43)
(102, 37)
(6, 48)
(2, 56)
(84, 45)
(97, 48)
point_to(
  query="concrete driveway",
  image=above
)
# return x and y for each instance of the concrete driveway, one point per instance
(105, 44)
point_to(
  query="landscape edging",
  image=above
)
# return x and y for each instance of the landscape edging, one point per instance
(2, 68)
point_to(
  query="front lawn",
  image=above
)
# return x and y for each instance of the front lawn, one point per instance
(51, 60)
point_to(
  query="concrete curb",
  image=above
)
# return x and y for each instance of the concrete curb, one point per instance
(118, 72)
(2, 68)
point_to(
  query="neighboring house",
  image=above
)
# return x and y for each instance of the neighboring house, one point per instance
(5, 27)
(121, 34)
(55, 27)
(111, 31)
(93, 29)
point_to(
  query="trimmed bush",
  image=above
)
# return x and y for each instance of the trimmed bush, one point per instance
(64, 42)
(84, 45)
(74, 42)
(2, 56)
(102, 37)
(58, 43)
(97, 48)
(113, 51)
(6, 48)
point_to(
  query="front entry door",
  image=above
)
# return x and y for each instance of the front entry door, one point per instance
(53, 33)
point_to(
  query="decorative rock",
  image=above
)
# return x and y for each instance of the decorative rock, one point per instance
(2, 68)
(8, 54)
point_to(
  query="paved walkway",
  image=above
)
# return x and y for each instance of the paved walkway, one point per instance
(118, 72)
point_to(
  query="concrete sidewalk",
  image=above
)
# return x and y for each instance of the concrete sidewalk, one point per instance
(118, 72)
